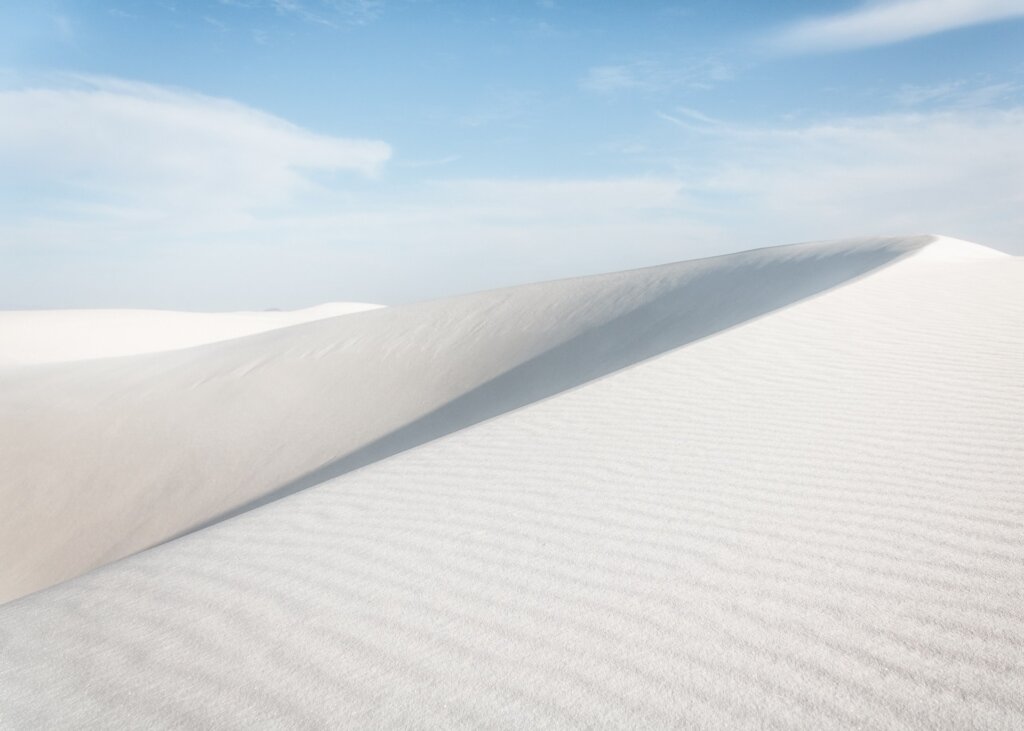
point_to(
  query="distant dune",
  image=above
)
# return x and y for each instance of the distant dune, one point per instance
(53, 336)
(781, 488)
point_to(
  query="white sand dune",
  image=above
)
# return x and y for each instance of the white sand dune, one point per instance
(28, 337)
(190, 436)
(783, 488)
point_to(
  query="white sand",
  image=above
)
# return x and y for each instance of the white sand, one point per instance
(53, 336)
(191, 435)
(801, 512)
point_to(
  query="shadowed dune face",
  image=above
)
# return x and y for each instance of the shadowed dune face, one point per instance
(709, 300)
(813, 519)
(111, 457)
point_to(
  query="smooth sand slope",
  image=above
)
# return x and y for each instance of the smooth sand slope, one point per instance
(108, 457)
(807, 512)
(28, 337)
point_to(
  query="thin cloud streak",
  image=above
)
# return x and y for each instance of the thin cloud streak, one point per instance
(891, 21)
(655, 76)
(331, 13)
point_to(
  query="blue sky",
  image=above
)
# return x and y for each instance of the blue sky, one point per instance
(222, 154)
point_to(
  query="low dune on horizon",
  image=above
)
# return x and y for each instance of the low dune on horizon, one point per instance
(32, 337)
(777, 488)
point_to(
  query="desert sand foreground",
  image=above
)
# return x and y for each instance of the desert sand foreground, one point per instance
(781, 488)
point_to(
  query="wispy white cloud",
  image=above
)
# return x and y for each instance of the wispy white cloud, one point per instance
(216, 23)
(609, 79)
(329, 13)
(104, 144)
(695, 121)
(332, 13)
(912, 95)
(958, 171)
(880, 22)
(499, 106)
(959, 93)
(652, 76)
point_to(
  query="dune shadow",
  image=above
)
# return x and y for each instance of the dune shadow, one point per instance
(715, 300)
